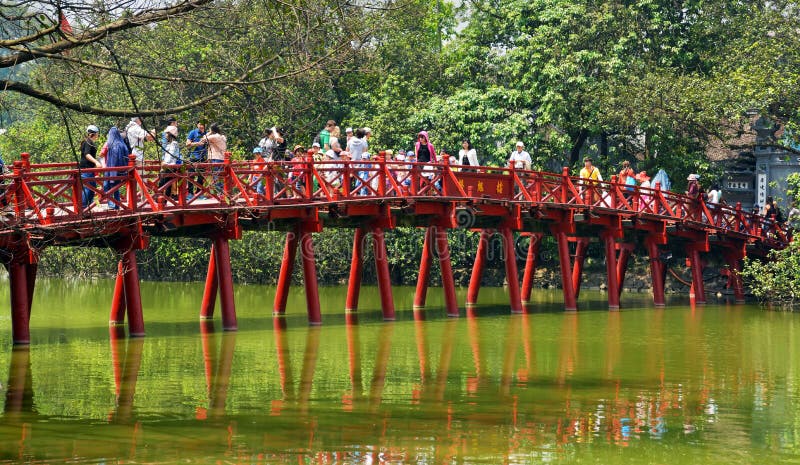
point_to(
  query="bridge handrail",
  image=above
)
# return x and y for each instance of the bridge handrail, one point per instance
(46, 194)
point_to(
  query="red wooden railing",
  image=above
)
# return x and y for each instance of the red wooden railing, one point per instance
(50, 194)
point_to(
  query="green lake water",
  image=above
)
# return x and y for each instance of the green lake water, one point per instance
(718, 384)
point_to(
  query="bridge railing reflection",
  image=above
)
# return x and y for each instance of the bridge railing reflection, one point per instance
(452, 404)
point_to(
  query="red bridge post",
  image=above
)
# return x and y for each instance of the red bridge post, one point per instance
(356, 269)
(31, 270)
(424, 270)
(625, 251)
(222, 260)
(382, 269)
(131, 181)
(734, 259)
(477, 268)
(117, 316)
(608, 238)
(570, 303)
(133, 296)
(581, 245)
(20, 316)
(530, 266)
(285, 276)
(657, 271)
(512, 275)
(310, 277)
(210, 290)
(448, 282)
(696, 263)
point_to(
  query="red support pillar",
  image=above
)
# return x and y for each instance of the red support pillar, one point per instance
(424, 270)
(133, 295)
(310, 278)
(31, 269)
(697, 276)
(285, 276)
(117, 316)
(20, 318)
(382, 269)
(656, 272)
(530, 266)
(511, 271)
(611, 269)
(477, 268)
(448, 282)
(622, 264)
(210, 291)
(222, 259)
(570, 303)
(577, 269)
(356, 268)
(734, 260)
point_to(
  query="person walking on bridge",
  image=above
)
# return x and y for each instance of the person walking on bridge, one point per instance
(88, 161)
(217, 145)
(519, 158)
(198, 152)
(592, 176)
(117, 157)
(137, 136)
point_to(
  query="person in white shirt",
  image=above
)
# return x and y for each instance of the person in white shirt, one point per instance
(136, 138)
(715, 194)
(467, 155)
(520, 158)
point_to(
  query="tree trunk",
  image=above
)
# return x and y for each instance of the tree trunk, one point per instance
(577, 144)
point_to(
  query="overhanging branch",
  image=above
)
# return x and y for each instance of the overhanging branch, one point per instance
(25, 52)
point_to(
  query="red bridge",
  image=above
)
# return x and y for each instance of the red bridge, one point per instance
(44, 208)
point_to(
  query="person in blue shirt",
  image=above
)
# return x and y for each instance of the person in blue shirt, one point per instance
(198, 153)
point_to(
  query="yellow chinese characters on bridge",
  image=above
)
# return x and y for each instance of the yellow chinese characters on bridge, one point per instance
(499, 187)
(461, 183)
(480, 186)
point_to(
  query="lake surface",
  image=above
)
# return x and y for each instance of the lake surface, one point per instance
(713, 384)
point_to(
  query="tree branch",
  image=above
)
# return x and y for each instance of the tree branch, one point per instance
(24, 40)
(25, 53)
(81, 108)
(772, 145)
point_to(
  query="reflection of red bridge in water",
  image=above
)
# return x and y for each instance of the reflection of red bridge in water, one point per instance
(305, 197)
(441, 399)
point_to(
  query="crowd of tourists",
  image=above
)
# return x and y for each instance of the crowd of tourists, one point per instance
(334, 146)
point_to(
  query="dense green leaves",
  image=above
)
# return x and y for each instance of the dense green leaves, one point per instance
(778, 279)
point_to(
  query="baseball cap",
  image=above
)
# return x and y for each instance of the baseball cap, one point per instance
(92, 129)
(172, 130)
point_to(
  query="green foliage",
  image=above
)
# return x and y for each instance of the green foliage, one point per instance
(256, 259)
(793, 189)
(42, 137)
(776, 280)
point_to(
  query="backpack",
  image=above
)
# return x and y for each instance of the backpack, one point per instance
(630, 182)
